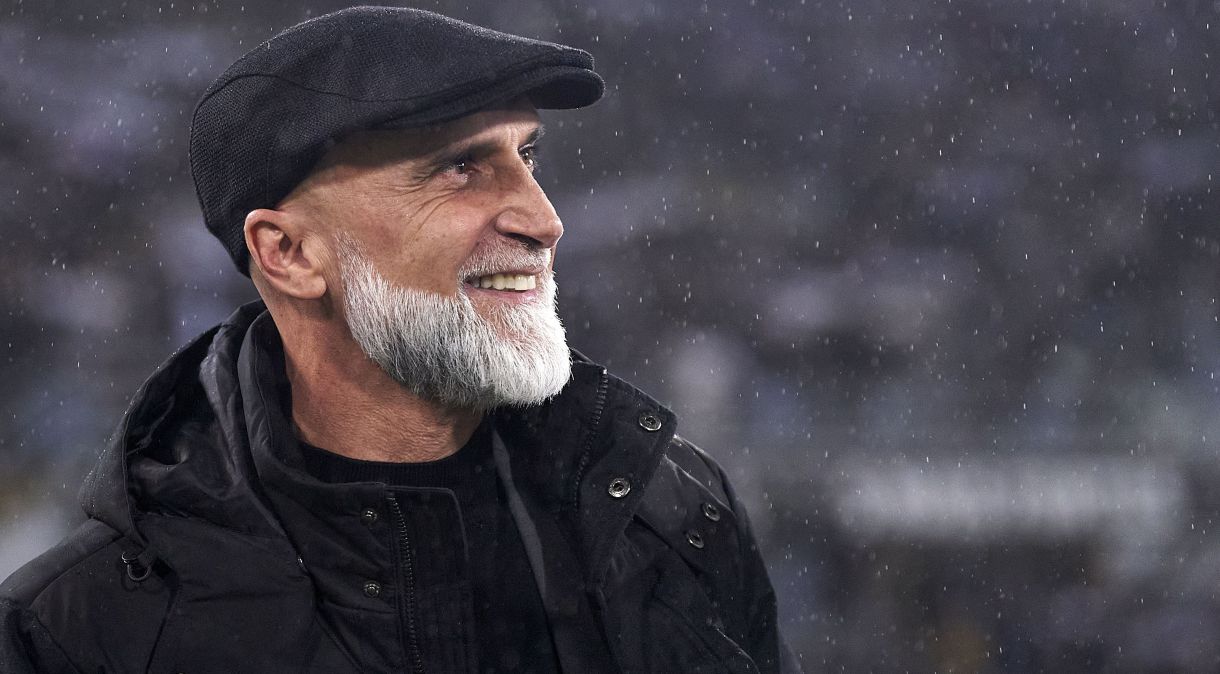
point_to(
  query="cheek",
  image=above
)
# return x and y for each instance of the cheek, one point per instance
(429, 247)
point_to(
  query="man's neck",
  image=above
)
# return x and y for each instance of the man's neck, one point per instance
(345, 403)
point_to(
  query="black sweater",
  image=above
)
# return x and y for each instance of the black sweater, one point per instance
(510, 623)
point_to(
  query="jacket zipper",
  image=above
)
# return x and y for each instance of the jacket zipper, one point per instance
(406, 597)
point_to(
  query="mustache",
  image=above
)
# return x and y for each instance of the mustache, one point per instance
(491, 261)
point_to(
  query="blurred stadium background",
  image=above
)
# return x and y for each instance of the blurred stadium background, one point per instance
(936, 281)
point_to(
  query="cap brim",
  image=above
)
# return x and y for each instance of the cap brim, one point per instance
(555, 87)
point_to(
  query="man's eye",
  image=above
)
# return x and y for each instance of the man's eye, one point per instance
(529, 155)
(459, 165)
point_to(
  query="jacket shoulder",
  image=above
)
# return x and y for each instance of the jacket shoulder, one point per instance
(76, 603)
(692, 506)
(689, 497)
(27, 583)
(699, 466)
(26, 645)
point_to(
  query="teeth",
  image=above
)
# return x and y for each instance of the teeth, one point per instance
(518, 282)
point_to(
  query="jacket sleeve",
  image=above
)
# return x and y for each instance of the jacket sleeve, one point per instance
(26, 647)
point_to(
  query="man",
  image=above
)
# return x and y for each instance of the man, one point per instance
(393, 463)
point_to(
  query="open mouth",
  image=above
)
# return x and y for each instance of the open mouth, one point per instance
(510, 282)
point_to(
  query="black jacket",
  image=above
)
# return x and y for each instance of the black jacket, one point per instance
(208, 549)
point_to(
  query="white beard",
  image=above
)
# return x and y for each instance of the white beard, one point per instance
(441, 349)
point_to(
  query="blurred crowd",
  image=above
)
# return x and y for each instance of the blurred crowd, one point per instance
(935, 280)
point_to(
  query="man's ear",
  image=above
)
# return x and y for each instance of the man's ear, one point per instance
(279, 249)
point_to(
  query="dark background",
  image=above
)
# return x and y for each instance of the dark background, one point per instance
(936, 281)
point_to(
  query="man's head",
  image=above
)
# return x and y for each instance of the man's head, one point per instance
(435, 245)
(380, 172)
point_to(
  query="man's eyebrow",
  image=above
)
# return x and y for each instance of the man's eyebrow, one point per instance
(536, 135)
(489, 146)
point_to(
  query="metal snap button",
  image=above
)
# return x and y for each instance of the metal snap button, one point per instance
(619, 487)
(650, 422)
(695, 539)
(372, 589)
(369, 516)
(711, 512)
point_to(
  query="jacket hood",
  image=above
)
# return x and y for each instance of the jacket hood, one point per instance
(181, 448)
(208, 432)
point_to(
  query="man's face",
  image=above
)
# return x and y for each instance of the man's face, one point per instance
(427, 205)
(443, 246)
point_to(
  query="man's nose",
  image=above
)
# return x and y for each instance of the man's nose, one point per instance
(527, 212)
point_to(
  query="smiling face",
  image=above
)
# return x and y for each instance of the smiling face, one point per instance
(442, 244)
(447, 209)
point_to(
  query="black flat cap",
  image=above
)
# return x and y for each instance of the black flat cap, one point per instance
(263, 125)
